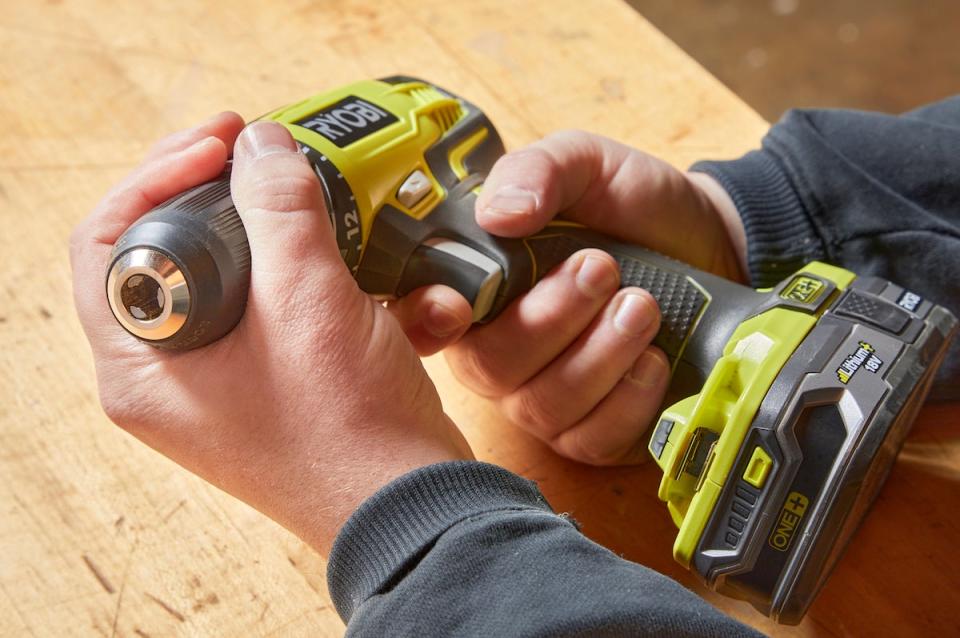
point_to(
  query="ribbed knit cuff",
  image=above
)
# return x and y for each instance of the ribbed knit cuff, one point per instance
(781, 239)
(392, 528)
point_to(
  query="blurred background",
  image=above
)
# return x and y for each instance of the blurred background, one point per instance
(887, 55)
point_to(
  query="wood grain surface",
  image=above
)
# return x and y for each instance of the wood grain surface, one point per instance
(100, 536)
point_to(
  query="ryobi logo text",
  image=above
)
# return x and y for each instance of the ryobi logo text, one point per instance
(789, 521)
(348, 120)
(863, 357)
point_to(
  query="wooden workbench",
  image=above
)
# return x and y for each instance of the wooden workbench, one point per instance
(99, 535)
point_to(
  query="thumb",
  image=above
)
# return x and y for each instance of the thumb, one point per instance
(527, 188)
(601, 183)
(280, 200)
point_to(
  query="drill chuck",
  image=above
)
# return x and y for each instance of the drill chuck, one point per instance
(178, 278)
(148, 294)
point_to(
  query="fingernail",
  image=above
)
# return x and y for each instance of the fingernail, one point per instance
(596, 276)
(265, 138)
(647, 371)
(512, 200)
(633, 315)
(441, 321)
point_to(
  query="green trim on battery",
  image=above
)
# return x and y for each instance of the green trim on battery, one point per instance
(720, 415)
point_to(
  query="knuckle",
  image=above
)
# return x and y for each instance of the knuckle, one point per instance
(584, 445)
(532, 153)
(132, 396)
(534, 160)
(288, 193)
(570, 136)
(546, 163)
(115, 409)
(577, 141)
(587, 451)
(121, 408)
(530, 410)
(473, 367)
(160, 146)
(554, 315)
(173, 141)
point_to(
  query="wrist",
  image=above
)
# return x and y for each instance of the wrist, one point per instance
(352, 491)
(313, 493)
(720, 204)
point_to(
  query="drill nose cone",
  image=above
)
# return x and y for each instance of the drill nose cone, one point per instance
(148, 294)
(179, 275)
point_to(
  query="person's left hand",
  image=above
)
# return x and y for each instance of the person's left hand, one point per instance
(316, 399)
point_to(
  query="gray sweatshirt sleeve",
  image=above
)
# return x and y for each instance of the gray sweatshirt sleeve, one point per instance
(470, 549)
(877, 194)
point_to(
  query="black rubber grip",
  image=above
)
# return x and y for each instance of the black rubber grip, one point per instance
(699, 310)
(681, 301)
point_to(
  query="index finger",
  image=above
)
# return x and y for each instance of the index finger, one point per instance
(155, 181)
(175, 163)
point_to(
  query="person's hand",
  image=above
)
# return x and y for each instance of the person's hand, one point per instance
(316, 399)
(571, 361)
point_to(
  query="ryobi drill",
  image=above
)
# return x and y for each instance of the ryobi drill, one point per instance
(797, 398)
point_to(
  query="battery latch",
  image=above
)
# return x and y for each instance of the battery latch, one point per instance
(758, 468)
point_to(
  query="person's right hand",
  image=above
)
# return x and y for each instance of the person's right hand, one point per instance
(571, 361)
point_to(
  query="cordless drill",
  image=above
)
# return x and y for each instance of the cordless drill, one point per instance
(795, 399)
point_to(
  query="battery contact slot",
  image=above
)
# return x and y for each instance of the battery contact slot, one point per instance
(706, 466)
(698, 453)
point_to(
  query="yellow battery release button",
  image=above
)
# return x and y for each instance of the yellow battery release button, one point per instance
(758, 468)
